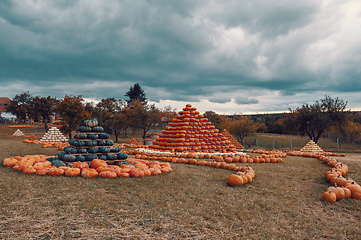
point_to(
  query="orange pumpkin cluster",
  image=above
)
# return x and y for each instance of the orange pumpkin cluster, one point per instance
(190, 131)
(37, 164)
(245, 175)
(59, 145)
(19, 126)
(313, 154)
(200, 159)
(341, 187)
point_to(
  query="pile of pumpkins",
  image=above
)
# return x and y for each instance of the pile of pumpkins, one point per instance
(342, 187)
(190, 131)
(91, 142)
(43, 165)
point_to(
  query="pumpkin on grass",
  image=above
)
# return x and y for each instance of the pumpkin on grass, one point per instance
(72, 172)
(108, 174)
(235, 180)
(54, 171)
(89, 173)
(95, 163)
(329, 196)
(81, 165)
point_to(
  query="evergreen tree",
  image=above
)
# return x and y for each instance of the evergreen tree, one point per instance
(136, 93)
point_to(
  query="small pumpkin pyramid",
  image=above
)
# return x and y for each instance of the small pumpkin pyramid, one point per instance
(134, 142)
(190, 131)
(18, 133)
(232, 139)
(53, 135)
(32, 138)
(311, 146)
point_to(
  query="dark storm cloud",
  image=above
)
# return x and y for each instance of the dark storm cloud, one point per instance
(233, 52)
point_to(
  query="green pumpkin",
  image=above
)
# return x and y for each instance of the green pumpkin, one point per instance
(51, 159)
(61, 155)
(122, 156)
(90, 157)
(91, 143)
(58, 163)
(111, 156)
(93, 150)
(69, 158)
(82, 150)
(80, 136)
(85, 129)
(98, 129)
(114, 149)
(70, 150)
(93, 136)
(103, 135)
(80, 158)
(104, 150)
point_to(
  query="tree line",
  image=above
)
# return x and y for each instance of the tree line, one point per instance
(325, 118)
(115, 115)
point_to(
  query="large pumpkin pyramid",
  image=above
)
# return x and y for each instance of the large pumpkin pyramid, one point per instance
(190, 131)
(232, 139)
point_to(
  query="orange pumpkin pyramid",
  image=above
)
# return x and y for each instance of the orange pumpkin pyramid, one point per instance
(190, 131)
(232, 139)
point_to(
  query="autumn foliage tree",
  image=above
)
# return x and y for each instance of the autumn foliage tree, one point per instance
(143, 117)
(20, 105)
(42, 108)
(242, 126)
(110, 114)
(315, 119)
(72, 112)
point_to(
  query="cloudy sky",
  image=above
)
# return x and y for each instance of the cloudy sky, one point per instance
(236, 56)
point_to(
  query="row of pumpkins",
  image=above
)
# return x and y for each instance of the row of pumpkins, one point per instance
(244, 174)
(342, 187)
(190, 131)
(43, 165)
(269, 157)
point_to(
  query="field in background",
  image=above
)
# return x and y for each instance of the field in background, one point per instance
(192, 202)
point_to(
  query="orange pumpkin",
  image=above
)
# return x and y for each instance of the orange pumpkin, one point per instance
(329, 196)
(95, 163)
(136, 172)
(123, 174)
(81, 165)
(72, 172)
(54, 171)
(29, 170)
(89, 173)
(9, 162)
(42, 171)
(235, 180)
(108, 174)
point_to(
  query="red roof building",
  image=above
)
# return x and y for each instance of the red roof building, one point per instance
(4, 102)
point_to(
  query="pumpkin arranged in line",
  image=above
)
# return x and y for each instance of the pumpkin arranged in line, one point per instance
(73, 172)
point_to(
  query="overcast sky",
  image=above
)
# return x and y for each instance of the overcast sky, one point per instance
(225, 56)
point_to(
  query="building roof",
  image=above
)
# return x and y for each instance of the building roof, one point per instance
(4, 102)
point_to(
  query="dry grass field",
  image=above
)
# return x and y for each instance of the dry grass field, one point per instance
(284, 201)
